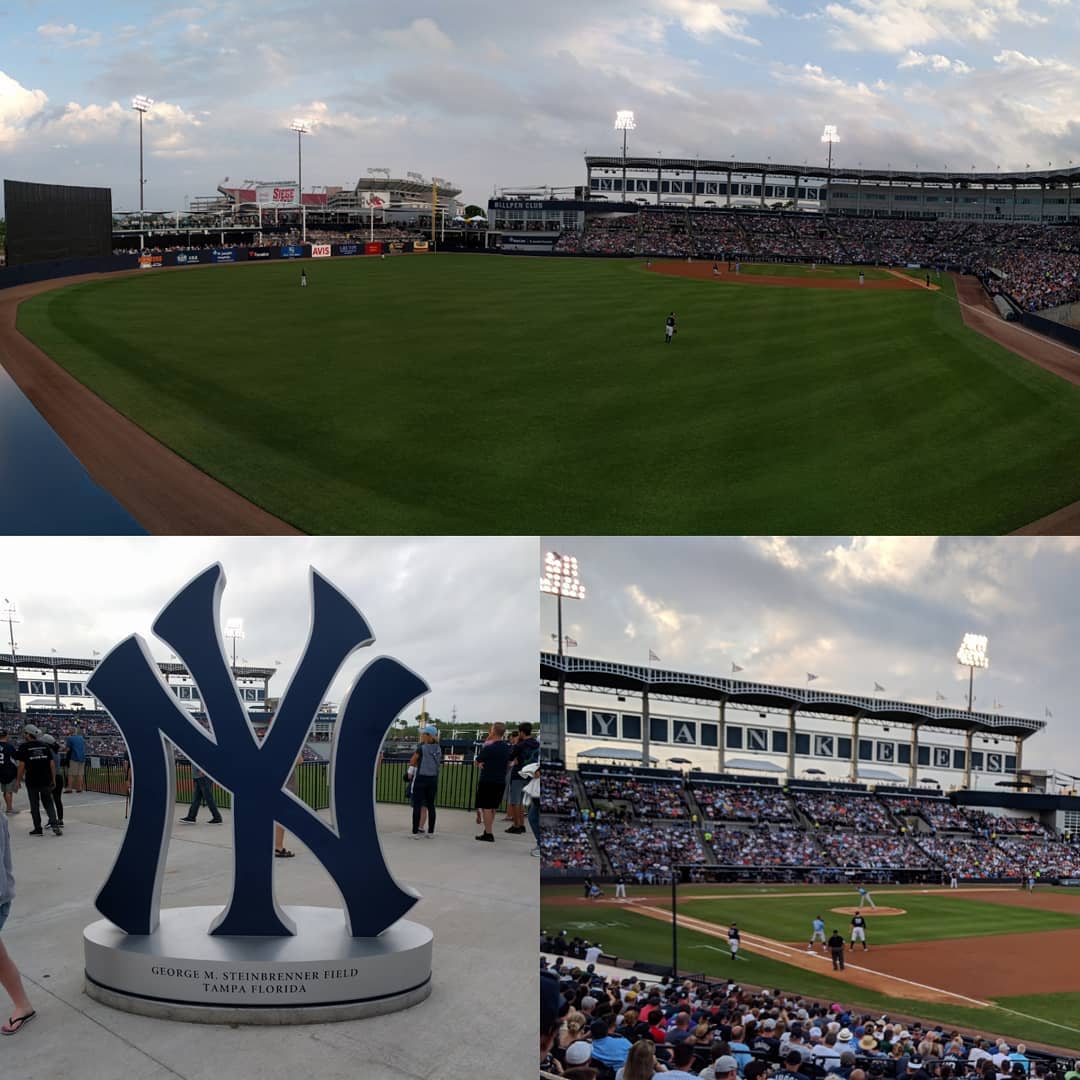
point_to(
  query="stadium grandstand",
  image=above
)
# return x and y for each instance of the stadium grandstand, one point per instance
(730, 780)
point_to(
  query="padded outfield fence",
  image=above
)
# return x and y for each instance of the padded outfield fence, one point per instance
(456, 789)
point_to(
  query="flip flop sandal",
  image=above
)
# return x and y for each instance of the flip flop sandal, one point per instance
(16, 1025)
(283, 853)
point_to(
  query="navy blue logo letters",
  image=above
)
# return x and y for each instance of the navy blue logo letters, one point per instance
(130, 686)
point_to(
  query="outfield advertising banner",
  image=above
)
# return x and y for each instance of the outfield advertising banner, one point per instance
(373, 249)
(149, 262)
(223, 255)
(186, 258)
(279, 195)
(260, 253)
(420, 245)
(292, 251)
(320, 251)
(348, 249)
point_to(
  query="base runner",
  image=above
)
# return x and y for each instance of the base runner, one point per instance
(819, 932)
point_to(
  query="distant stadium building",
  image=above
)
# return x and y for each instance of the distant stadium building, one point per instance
(636, 714)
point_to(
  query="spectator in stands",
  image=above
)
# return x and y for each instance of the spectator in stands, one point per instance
(641, 1063)
(22, 1012)
(76, 746)
(608, 1048)
(492, 760)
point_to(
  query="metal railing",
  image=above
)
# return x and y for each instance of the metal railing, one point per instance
(456, 789)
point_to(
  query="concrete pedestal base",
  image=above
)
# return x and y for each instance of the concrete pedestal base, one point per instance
(181, 972)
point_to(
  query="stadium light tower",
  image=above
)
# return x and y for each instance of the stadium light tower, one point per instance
(972, 655)
(10, 615)
(830, 136)
(301, 129)
(141, 104)
(234, 629)
(561, 579)
(624, 122)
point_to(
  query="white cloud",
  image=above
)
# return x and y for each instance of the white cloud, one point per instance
(17, 106)
(779, 549)
(814, 77)
(703, 18)
(934, 61)
(665, 617)
(880, 560)
(67, 36)
(421, 34)
(58, 30)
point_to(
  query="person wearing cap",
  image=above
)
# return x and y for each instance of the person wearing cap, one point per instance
(607, 1048)
(22, 1012)
(724, 1066)
(76, 748)
(793, 1061)
(58, 785)
(578, 1054)
(9, 769)
(424, 770)
(37, 767)
(836, 948)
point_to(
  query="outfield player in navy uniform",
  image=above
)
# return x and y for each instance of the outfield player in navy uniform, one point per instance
(733, 940)
(669, 328)
(858, 931)
(303, 279)
(836, 947)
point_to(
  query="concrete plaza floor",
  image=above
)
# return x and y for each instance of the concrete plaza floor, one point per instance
(481, 901)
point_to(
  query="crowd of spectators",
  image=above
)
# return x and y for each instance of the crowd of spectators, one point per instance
(623, 1028)
(649, 848)
(556, 792)
(939, 814)
(1048, 858)
(861, 812)
(972, 858)
(991, 825)
(741, 802)
(873, 852)
(567, 845)
(777, 845)
(661, 798)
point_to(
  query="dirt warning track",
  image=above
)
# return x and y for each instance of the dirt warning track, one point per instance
(703, 271)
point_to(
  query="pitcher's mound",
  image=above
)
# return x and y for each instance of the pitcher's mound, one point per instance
(879, 910)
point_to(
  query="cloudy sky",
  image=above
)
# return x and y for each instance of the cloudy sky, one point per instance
(486, 93)
(462, 613)
(852, 611)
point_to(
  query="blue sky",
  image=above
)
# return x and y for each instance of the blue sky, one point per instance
(487, 94)
(851, 610)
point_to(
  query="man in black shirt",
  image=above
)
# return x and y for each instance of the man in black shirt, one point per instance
(793, 1059)
(492, 760)
(8, 772)
(836, 947)
(525, 750)
(37, 768)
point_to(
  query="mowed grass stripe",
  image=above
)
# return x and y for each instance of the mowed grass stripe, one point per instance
(639, 938)
(493, 394)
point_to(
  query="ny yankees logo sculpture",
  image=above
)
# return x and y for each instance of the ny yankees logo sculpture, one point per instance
(129, 685)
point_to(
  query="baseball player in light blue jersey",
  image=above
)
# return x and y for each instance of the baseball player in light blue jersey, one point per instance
(819, 932)
(865, 897)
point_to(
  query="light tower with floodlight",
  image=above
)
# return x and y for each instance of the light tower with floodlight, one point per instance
(972, 655)
(624, 122)
(234, 629)
(301, 129)
(829, 135)
(141, 104)
(10, 615)
(561, 579)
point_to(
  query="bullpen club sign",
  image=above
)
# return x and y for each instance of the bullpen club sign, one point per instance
(362, 960)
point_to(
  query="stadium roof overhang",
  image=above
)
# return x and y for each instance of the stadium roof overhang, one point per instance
(772, 168)
(604, 675)
(72, 663)
(406, 187)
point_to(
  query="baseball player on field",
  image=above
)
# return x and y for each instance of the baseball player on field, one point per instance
(864, 896)
(819, 932)
(858, 931)
(733, 941)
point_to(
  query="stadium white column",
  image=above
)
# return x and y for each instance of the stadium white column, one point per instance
(729, 187)
(1019, 753)
(791, 743)
(659, 178)
(855, 746)
(967, 758)
(721, 738)
(913, 768)
(763, 175)
(693, 193)
(645, 726)
(796, 192)
(55, 685)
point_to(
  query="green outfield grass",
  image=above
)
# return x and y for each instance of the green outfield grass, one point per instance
(472, 394)
(872, 273)
(1056, 1017)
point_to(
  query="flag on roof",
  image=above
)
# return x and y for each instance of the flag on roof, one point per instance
(810, 677)
(735, 669)
(653, 656)
(878, 688)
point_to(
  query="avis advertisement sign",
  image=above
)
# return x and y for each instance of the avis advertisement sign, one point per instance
(320, 251)
(292, 251)
(279, 195)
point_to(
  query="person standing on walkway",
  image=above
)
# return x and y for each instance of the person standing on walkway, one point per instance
(492, 760)
(37, 769)
(280, 850)
(9, 770)
(76, 746)
(426, 760)
(204, 793)
(531, 794)
(526, 750)
(22, 1011)
(58, 784)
